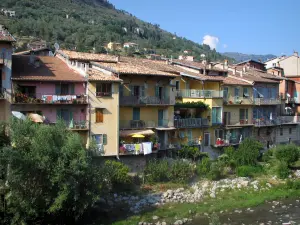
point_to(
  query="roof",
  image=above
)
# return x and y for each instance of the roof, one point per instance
(27, 52)
(196, 65)
(132, 68)
(250, 60)
(83, 56)
(49, 69)
(257, 79)
(129, 133)
(235, 81)
(5, 36)
(96, 75)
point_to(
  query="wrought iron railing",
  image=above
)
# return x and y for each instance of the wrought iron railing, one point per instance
(194, 93)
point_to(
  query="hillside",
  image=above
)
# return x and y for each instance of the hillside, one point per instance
(240, 57)
(90, 24)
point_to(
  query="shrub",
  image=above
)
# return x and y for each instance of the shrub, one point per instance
(248, 152)
(293, 184)
(287, 153)
(189, 152)
(157, 171)
(215, 172)
(116, 174)
(267, 156)
(248, 171)
(282, 170)
(181, 171)
(203, 167)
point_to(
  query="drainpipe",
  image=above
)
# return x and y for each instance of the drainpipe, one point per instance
(118, 123)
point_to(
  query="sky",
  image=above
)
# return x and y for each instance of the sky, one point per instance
(251, 27)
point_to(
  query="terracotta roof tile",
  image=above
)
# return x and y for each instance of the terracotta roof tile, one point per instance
(235, 81)
(133, 68)
(197, 65)
(87, 56)
(5, 35)
(96, 75)
(48, 69)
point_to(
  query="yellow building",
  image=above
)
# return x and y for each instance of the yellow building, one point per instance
(113, 46)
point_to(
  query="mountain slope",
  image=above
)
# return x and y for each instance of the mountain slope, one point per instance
(88, 24)
(240, 57)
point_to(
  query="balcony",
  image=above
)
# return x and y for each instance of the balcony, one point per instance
(143, 124)
(225, 143)
(38, 98)
(145, 100)
(190, 123)
(75, 125)
(288, 119)
(267, 101)
(194, 93)
(1, 59)
(266, 122)
(241, 122)
(238, 101)
(290, 100)
(103, 94)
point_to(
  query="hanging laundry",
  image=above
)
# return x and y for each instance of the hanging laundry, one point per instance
(147, 147)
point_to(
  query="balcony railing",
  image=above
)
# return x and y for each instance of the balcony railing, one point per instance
(241, 122)
(75, 125)
(289, 119)
(194, 93)
(238, 101)
(142, 124)
(190, 122)
(43, 98)
(267, 101)
(103, 94)
(266, 122)
(145, 100)
(290, 100)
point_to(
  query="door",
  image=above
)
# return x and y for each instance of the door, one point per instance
(136, 114)
(160, 117)
(136, 91)
(206, 139)
(226, 119)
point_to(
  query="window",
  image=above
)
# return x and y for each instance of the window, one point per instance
(216, 115)
(281, 132)
(225, 92)
(103, 89)
(290, 130)
(245, 92)
(206, 139)
(243, 114)
(100, 139)
(219, 134)
(65, 115)
(177, 85)
(99, 115)
(236, 92)
(137, 90)
(64, 89)
(190, 135)
(258, 133)
(136, 114)
(28, 90)
(274, 64)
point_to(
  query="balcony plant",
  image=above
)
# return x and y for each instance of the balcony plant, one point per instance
(200, 105)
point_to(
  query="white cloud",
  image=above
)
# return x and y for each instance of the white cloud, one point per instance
(212, 41)
(225, 46)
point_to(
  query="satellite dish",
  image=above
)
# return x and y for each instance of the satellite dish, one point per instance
(56, 46)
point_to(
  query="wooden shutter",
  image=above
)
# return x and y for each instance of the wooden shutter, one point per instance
(104, 139)
(99, 115)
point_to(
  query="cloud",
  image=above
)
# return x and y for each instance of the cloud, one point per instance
(225, 45)
(212, 41)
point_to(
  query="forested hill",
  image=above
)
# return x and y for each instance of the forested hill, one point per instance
(88, 24)
(240, 57)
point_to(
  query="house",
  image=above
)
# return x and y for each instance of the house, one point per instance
(103, 94)
(252, 64)
(131, 45)
(38, 44)
(6, 50)
(113, 46)
(8, 13)
(47, 86)
(186, 57)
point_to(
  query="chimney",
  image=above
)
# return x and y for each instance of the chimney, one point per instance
(118, 58)
(209, 66)
(241, 73)
(295, 53)
(31, 58)
(234, 71)
(259, 60)
(225, 64)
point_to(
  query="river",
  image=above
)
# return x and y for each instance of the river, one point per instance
(275, 212)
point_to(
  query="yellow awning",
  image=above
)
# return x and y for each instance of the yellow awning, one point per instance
(130, 133)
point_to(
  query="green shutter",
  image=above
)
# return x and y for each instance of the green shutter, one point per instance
(121, 90)
(58, 114)
(214, 115)
(246, 114)
(71, 115)
(72, 89)
(104, 139)
(131, 90)
(142, 91)
(156, 91)
(57, 89)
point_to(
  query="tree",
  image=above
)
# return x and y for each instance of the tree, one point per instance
(248, 152)
(50, 175)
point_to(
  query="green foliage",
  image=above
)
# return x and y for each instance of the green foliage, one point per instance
(248, 171)
(203, 167)
(215, 172)
(248, 152)
(293, 184)
(287, 153)
(268, 155)
(282, 170)
(92, 25)
(214, 219)
(117, 175)
(50, 176)
(191, 152)
(164, 171)
(200, 105)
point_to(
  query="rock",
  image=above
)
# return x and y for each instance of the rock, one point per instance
(155, 217)
(269, 185)
(141, 223)
(163, 223)
(185, 220)
(178, 222)
(212, 195)
(190, 212)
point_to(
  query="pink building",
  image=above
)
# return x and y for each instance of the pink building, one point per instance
(47, 86)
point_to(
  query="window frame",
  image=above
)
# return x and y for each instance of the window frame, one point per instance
(102, 138)
(290, 130)
(208, 144)
(105, 89)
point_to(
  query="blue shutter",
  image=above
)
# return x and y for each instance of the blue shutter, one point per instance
(142, 91)
(58, 114)
(214, 115)
(131, 90)
(104, 139)
(136, 114)
(156, 91)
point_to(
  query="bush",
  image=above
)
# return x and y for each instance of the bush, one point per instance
(282, 170)
(267, 156)
(157, 171)
(215, 172)
(248, 152)
(248, 171)
(203, 167)
(189, 152)
(287, 153)
(181, 171)
(293, 184)
(116, 174)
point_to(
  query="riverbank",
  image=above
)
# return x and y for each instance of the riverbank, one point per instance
(230, 199)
